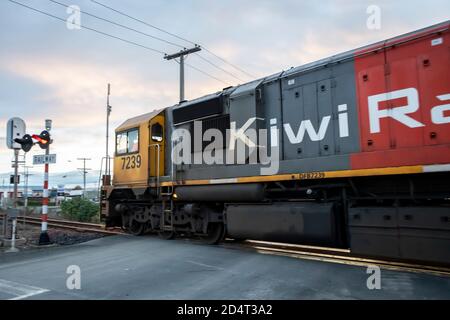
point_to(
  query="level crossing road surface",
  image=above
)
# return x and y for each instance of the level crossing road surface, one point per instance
(126, 267)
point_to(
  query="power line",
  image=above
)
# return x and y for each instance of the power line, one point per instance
(88, 28)
(229, 63)
(111, 36)
(205, 73)
(143, 22)
(218, 67)
(147, 35)
(119, 25)
(174, 35)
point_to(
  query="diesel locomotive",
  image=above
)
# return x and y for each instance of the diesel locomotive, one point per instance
(351, 151)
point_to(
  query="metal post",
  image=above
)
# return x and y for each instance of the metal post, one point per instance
(182, 78)
(108, 113)
(16, 176)
(13, 236)
(25, 195)
(84, 179)
(181, 55)
(14, 221)
(44, 239)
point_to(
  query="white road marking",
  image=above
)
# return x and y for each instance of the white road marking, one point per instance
(205, 265)
(19, 290)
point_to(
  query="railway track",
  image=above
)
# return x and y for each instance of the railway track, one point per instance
(73, 225)
(335, 255)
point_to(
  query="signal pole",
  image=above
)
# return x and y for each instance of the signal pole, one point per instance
(84, 169)
(14, 221)
(181, 55)
(44, 239)
(16, 176)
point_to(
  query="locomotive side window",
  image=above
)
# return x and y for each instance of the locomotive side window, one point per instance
(133, 141)
(127, 142)
(157, 132)
(121, 143)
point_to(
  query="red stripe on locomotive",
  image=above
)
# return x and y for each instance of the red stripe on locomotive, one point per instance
(403, 94)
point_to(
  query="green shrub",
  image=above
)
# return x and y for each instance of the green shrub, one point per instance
(79, 209)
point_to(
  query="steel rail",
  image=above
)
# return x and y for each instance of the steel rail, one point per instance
(336, 255)
(74, 225)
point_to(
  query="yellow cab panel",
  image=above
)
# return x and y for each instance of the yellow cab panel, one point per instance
(131, 159)
(156, 146)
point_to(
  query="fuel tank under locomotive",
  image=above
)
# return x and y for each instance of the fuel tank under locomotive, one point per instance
(292, 222)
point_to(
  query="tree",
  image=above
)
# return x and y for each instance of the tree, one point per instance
(79, 209)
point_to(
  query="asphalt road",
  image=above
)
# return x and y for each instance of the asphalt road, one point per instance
(125, 267)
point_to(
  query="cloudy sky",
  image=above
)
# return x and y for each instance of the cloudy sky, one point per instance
(49, 71)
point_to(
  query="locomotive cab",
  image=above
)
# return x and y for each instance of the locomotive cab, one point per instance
(138, 161)
(139, 154)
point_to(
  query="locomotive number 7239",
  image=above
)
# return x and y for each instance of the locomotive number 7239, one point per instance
(131, 162)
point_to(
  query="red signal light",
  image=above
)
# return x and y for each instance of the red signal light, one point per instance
(39, 139)
(43, 139)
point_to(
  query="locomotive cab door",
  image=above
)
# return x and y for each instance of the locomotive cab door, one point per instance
(156, 147)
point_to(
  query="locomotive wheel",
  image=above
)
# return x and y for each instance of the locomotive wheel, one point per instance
(166, 235)
(215, 233)
(136, 228)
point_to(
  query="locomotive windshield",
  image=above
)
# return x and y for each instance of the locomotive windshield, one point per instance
(127, 142)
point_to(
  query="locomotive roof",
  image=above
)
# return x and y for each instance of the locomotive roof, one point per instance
(369, 48)
(326, 61)
(136, 121)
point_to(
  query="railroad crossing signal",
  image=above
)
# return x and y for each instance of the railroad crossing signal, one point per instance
(43, 139)
(26, 142)
(15, 129)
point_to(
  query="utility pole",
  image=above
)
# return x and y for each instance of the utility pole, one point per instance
(25, 194)
(181, 55)
(108, 113)
(84, 169)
